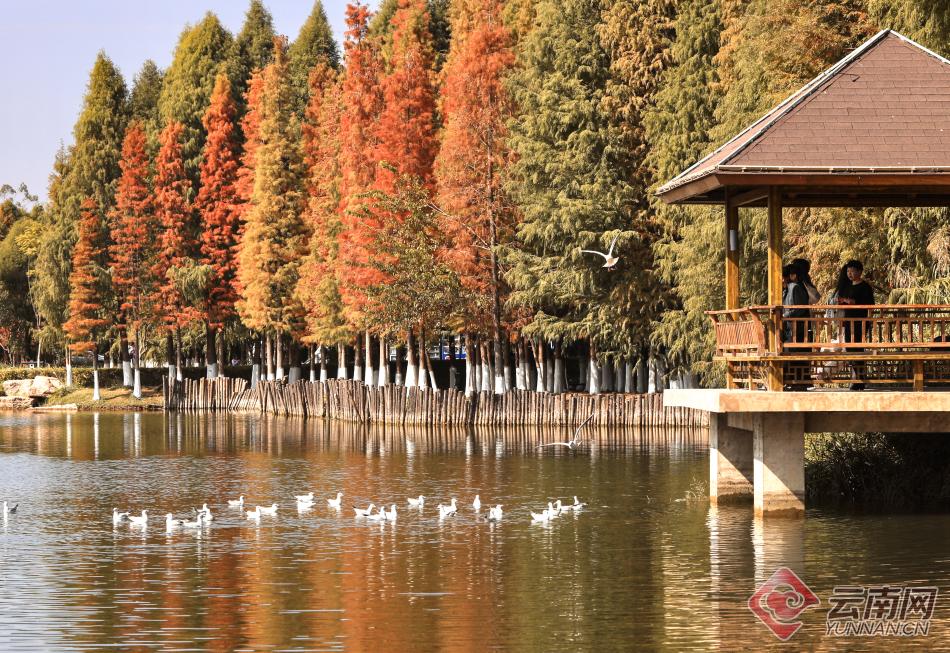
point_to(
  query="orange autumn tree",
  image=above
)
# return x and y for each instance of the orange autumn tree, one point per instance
(89, 284)
(406, 139)
(218, 204)
(176, 240)
(317, 288)
(476, 107)
(131, 254)
(362, 104)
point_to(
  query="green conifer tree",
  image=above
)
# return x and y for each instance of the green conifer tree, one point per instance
(314, 44)
(252, 50)
(143, 100)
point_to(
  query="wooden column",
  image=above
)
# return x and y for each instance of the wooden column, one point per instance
(732, 266)
(775, 380)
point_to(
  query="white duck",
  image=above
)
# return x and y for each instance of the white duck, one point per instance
(494, 514)
(336, 503)
(265, 510)
(552, 512)
(477, 503)
(445, 511)
(418, 502)
(205, 513)
(254, 514)
(364, 512)
(304, 498)
(9, 511)
(543, 516)
(139, 520)
(379, 515)
(198, 521)
(578, 505)
(391, 515)
(236, 503)
(170, 522)
(117, 517)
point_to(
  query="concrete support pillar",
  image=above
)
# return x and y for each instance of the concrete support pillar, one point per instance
(779, 472)
(730, 462)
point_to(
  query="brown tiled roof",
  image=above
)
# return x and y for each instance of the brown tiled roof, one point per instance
(883, 108)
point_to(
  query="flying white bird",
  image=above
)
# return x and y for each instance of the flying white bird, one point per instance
(335, 503)
(236, 503)
(574, 442)
(609, 257)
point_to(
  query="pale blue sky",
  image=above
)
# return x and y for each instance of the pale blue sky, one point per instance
(48, 48)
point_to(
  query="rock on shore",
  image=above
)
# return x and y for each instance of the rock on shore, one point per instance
(37, 387)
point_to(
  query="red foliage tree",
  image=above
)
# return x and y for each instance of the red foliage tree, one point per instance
(88, 282)
(362, 104)
(133, 229)
(218, 204)
(177, 240)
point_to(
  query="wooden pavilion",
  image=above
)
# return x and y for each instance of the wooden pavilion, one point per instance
(871, 131)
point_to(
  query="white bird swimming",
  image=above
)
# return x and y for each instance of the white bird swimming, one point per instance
(117, 517)
(391, 515)
(198, 522)
(9, 511)
(139, 520)
(494, 513)
(304, 498)
(573, 442)
(336, 503)
(552, 513)
(577, 504)
(542, 516)
(205, 513)
(268, 510)
(445, 511)
(254, 514)
(170, 522)
(364, 512)
(379, 515)
(236, 503)
(609, 258)
(477, 503)
(418, 502)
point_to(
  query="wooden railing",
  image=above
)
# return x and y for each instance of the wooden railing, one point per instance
(891, 344)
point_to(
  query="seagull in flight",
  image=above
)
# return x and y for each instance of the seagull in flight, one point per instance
(574, 442)
(609, 258)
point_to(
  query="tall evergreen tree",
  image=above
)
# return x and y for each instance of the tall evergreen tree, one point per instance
(473, 157)
(89, 283)
(88, 170)
(314, 44)
(143, 101)
(186, 91)
(275, 236)
(568, 179)
(219, 206)
(252, 50)
(132, 248)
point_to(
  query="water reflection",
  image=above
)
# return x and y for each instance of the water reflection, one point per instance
(641, 568)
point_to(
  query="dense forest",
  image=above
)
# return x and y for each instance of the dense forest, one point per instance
(275, 201)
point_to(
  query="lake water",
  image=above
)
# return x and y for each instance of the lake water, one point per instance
(643, 567)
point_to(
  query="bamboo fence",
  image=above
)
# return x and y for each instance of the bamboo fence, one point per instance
(354, 401)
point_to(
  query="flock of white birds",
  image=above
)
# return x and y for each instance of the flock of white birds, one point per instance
(203, 517)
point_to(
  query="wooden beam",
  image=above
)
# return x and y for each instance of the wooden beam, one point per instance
(775, 380)
(754, 196)
(732, 254)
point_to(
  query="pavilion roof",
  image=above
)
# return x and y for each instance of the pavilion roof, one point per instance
(877, 120)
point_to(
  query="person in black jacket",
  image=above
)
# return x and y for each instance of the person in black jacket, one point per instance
(795, 301)
(856, 293)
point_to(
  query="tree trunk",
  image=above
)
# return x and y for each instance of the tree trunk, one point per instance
(642, 372)
(95, 374)
(219, 351)
(256, 347)
(370, 375)
(428, 362)
(124, 357)
(269, 355)
(313, 370)
(69, 367)
(453, 373)
(400, 379)
(540, 364)
(382, 376)
(341, 361)
(422, 376)
(487, 372)
(211, 351)
(629, 383)
(279, 356)
(607, 376)
(358, 362)
(469, 365)
(170, 354)
(293, 351)
(593, 386)
(506, 356)
(558, 385)
(136, 366)
(178, 365)
(411, 369)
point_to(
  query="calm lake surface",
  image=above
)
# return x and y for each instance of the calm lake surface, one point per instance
(642, 567)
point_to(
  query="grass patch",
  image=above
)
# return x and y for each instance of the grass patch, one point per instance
(111, 399)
